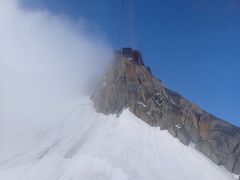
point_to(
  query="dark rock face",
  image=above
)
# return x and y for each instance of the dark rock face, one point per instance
(129, 85)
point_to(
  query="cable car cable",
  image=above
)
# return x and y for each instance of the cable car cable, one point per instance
(120, 22)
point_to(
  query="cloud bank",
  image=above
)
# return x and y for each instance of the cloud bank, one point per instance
(45, 58)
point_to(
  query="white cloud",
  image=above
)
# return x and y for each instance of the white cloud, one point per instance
(45, 57)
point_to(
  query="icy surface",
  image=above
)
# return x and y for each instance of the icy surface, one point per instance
(79, 144)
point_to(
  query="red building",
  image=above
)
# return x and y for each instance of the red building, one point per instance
(133, 55)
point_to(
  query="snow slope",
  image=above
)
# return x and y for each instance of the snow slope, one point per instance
(77, 143)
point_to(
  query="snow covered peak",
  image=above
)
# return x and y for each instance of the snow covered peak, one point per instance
(130, 85)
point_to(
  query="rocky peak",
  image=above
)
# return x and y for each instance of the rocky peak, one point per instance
(127, 84)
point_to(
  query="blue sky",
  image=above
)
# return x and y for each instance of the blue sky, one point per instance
(193, 46)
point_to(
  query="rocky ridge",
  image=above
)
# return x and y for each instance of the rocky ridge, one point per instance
(129, 85)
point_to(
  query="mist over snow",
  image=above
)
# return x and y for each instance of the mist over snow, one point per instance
(46, 62)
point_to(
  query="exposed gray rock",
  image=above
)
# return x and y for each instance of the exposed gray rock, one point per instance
(236, 168)
(183, 136)
(129, 85)
(173, 131)
(208, 150)
(231, 163)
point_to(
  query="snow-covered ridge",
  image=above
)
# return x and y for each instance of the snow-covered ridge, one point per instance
(79, 143)
(133, 86)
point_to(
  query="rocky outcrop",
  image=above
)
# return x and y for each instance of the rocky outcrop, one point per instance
(129, 85)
